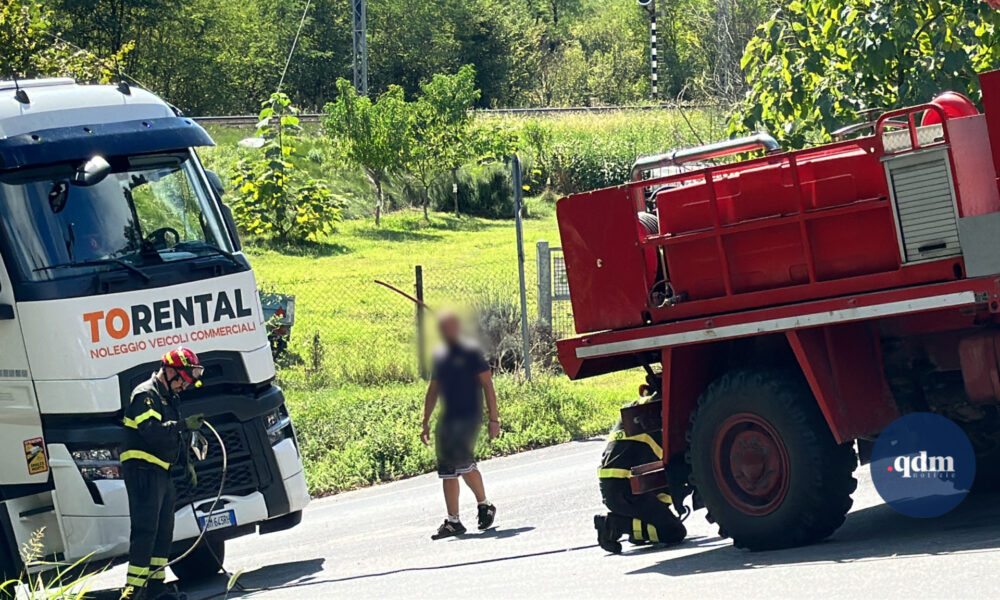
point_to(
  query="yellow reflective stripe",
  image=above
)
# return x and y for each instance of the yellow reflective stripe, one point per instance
(158, 575)
(649, 441)
(645, 438)
(652, 533)
(135, 581)
(130, 423)
(149, 414)
(614, 473)
(133, 570)
(146, 456)
(157, 562)
(637, 529)
(664, 498)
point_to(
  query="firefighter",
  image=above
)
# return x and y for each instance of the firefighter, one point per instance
(645, 518)
(155, 441)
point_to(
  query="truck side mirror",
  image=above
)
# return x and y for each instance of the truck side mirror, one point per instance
(91, 172)
(227, 213)
(216, 182)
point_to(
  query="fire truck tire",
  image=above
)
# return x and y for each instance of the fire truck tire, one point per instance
(764, 462)
(204, 561)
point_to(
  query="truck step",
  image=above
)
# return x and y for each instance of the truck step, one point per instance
(642, 418)
(648, 477)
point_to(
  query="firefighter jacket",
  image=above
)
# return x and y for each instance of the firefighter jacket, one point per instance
(624, 452)
(155, 430)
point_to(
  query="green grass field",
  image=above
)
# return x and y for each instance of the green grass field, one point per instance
(358, 410)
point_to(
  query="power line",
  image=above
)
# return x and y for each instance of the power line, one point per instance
(295, 41)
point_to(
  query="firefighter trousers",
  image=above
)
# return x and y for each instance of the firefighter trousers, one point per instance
(151, 497)
(642, 517)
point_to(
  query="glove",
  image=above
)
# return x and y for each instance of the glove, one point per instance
(192, 475)
(194, 422)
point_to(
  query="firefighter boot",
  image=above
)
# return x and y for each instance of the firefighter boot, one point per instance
(607, 537)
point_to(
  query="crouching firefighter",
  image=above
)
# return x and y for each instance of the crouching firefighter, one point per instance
(644, 518)
(154, 442)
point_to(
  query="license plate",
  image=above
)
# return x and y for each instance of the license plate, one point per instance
(219, 520)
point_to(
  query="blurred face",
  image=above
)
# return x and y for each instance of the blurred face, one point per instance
(450, 327)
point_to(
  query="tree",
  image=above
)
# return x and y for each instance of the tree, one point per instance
(373, 136)
(444, 136)
(274, 196)
(30, 47)
(819, 63)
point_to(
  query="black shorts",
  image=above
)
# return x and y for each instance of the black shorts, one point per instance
(455, 444)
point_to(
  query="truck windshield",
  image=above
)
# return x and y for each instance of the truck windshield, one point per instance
(149, 210)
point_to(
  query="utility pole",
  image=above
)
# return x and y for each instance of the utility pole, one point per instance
(360, 46)
(525, 334)
(650, 5)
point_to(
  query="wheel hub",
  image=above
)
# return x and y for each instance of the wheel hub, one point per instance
(751, 464)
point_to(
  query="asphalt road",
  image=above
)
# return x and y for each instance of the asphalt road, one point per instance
(375, 543)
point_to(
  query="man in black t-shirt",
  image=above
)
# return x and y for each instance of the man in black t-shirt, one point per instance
(461, 377)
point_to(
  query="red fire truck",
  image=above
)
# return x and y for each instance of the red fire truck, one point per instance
(797, 304)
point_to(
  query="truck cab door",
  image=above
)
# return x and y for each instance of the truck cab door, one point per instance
(25, 477)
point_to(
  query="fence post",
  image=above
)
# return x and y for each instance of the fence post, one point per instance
(526, 342)
(421, 342)
(544, 257)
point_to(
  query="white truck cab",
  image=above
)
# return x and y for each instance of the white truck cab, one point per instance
(116, 247)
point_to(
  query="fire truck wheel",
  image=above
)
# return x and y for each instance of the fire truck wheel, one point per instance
(764, 462)
(203, 562)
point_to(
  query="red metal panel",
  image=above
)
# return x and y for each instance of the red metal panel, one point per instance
(986, 288)
(990, 84)
(929, 272)
(687, 371)
(600, 243)
(843, 365)
(972, 156)
(980, 358)
(844, 245)
(765, 259)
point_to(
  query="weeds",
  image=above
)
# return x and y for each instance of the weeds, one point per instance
(43, 579)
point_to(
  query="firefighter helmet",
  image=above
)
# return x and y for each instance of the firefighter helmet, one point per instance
(185, 362)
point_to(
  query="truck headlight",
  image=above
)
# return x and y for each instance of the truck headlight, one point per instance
(278, 425)
(98, 463)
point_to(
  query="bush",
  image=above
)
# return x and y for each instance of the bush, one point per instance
(275, 197)
(498, 328)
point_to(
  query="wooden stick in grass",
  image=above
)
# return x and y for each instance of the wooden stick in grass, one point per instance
(407, 296)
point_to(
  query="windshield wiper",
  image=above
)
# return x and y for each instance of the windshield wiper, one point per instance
(202, 245)
(96, 263)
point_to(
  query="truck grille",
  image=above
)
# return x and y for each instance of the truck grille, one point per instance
(925, 205)
(241, 476)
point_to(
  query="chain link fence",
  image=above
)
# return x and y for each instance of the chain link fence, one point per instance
(347, 328)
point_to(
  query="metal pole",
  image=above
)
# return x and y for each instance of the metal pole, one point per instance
(544, 258)
(360, 46)
(516, 175)
(652, 49)
(421, 340)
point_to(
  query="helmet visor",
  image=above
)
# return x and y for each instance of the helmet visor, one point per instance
(191, 375)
